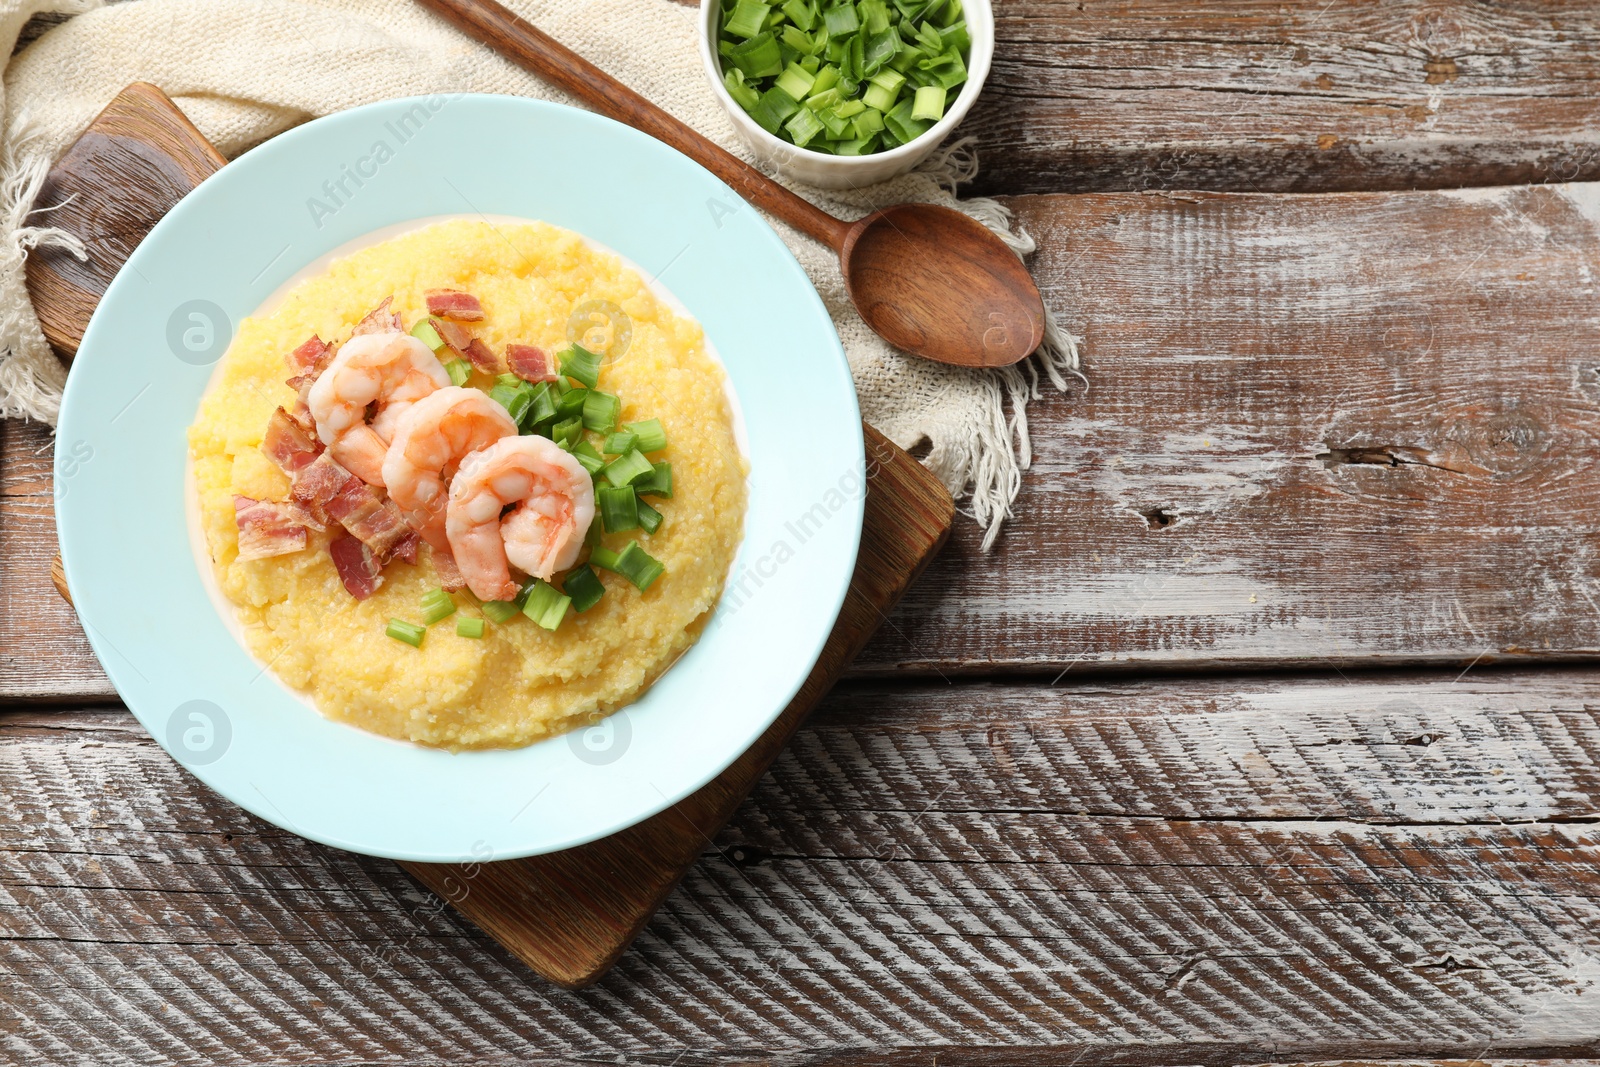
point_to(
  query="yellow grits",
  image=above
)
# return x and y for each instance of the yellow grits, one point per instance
(519, 683)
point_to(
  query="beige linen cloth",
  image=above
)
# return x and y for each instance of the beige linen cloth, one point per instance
(244, 70)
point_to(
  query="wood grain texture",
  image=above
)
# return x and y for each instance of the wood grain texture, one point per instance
(1258, 95)
(1206, 871)
(137, 159)
(1345, 429)
(44, 654)
(570, 915)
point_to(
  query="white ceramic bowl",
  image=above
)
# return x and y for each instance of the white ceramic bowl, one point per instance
(851, 172)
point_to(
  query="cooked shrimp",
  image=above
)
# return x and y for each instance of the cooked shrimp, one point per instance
(554, 504)
(393, 370)
(431, 438)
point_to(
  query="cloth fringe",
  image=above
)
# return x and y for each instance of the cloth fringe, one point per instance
(31, 377)
(1001, 450)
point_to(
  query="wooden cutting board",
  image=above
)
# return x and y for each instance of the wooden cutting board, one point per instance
(568, 915)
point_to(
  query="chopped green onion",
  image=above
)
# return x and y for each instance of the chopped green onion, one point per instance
(570, 406)
(901, 123)
(546, 605)
(628, 468)
(469, 628)
(459, 371)
(795, 81)
(638, 566)
(868, 123)
(515, 399)
(583, 585)
(801, 14)
(822, 53)
(799, 42)
(836, 126)
(600, 411)
(775, 106)
(619, 442)
(500, 611)
(743, 95)
(508, 379)
(409, 632)
(749, 16)
(956, 39)
(879, 50)
(543, 405)
(568, 432)
(436, 605)
(659, 481)
(841, 20)
(759, 57)
(585, 454)
(882, 89)
(928, 103)
(652, 437)
(649, 517)
(946, 70)
(602, 557)
(581, 365)
(424, 332)
(618, 507)
(803, 127)
(824, 101)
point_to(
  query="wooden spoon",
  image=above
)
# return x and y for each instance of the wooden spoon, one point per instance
(927, 278)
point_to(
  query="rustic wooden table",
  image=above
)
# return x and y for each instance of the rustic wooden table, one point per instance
(1266, 734)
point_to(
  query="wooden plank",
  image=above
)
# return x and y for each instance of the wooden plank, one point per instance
(1347, 429)
(1314, 95)
(1108, 873)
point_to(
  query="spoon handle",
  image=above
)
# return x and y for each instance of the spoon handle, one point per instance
(524, 44)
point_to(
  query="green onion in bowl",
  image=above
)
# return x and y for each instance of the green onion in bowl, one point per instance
(844, 78)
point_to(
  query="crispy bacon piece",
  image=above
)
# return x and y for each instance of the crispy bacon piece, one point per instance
(358, 568)
(379, 320)
(377, 520)
(529, 363)
(406, 550)
(481, 356)
(308, 362)
(290, 443)
(267, 528)
(333, 495)
(454, 304)
(311, 357)
(453, 333)
(317, 483)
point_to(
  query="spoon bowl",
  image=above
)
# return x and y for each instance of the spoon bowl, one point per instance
(933, 281)
(927, 279)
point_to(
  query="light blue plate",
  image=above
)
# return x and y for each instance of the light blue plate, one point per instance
(150, 350)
